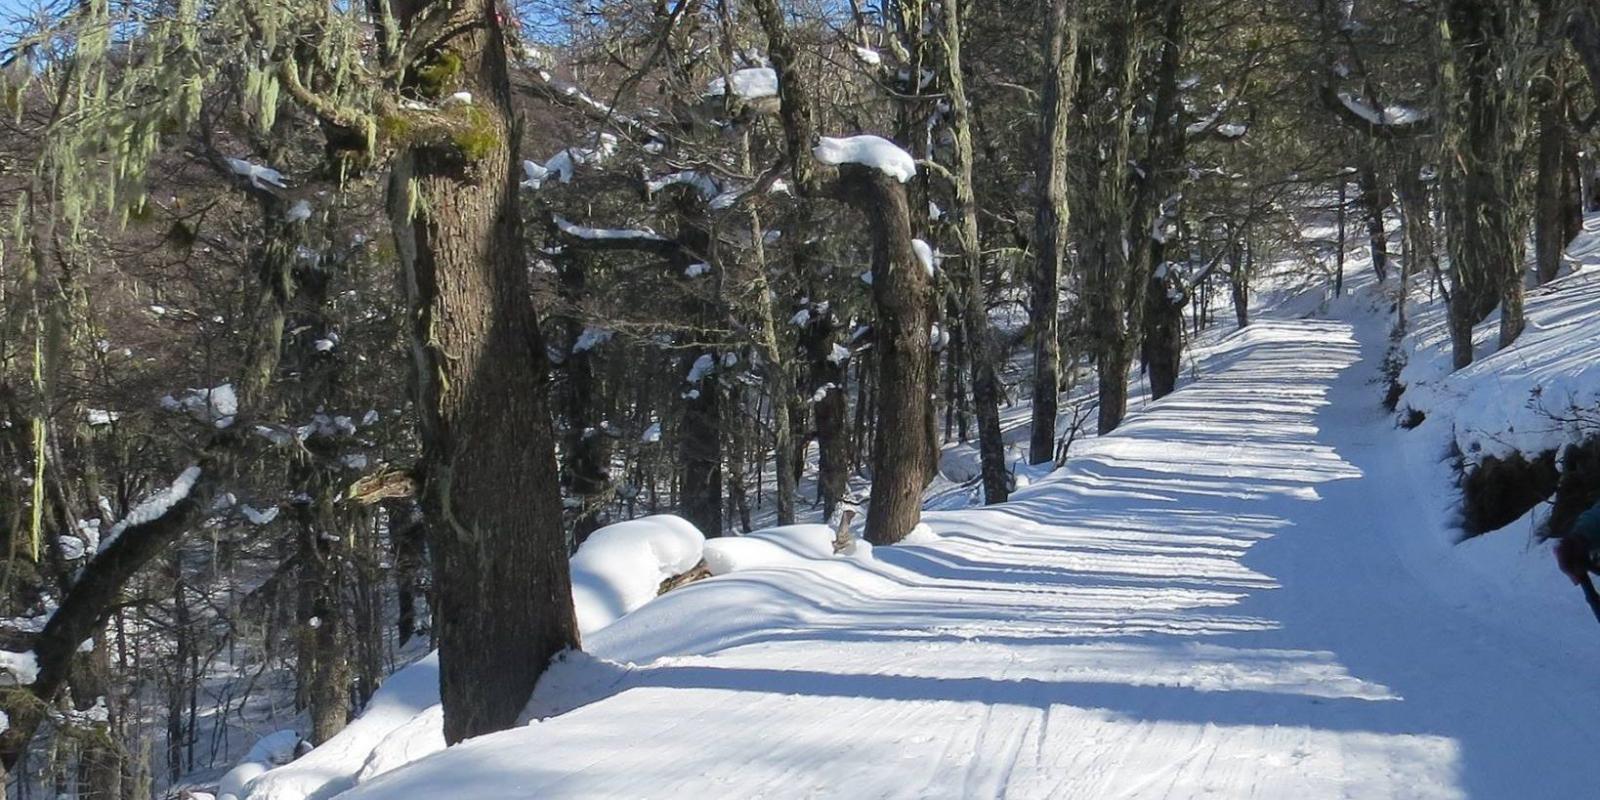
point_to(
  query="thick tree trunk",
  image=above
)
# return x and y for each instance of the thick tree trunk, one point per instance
(1485, 113)
(1558, 195)
(974, 304)
(1163, 339)
(586, 450)
(1155, 291)
(490, 491)
(901, 452)
(900, 455)
(1109, 275)
(1051, 223)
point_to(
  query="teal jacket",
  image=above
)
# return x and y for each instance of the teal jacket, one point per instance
(1587, 527)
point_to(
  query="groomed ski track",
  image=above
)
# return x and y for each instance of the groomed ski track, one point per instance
(1231, 596)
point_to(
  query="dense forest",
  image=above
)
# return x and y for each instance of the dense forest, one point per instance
(330, 333)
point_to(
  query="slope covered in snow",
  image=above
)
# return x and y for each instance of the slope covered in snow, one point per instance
(1537, 395)
(1243, 592)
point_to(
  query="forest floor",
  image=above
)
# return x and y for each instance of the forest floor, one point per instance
(1248, 590)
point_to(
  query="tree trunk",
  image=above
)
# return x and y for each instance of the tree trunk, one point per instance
(1558, 197)
(974, 305)
(700, 441)
(1375, 203)
(490, 491)
(1485, 91)
(1160, 291)
(1051, 223)
(1109, 275)
(900, 454)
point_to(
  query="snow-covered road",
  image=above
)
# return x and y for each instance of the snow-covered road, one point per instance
(1229, 597)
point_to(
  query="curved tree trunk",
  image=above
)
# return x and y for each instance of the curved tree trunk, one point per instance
(490, 489)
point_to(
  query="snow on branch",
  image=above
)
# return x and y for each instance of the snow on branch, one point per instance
(583, 232)
(1390, 115)
(875, 152)
(752, 83)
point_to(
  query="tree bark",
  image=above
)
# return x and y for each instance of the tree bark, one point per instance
(1484, 90)
(1374, 204)
(901, 452)
(490, 492)
(1558, 194)
(1051, 223)
(974, 304)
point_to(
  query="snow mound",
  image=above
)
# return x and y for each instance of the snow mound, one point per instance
(774, 547)
(869, 151)
(620, 567)
(337, 764)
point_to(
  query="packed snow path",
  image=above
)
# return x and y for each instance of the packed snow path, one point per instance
(1216, 601)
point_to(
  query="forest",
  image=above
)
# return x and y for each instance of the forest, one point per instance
(751, 397)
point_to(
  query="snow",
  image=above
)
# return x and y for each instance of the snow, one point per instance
(875, 152)
(696, 269)
(651, 434)
(269, 751)
(925, 255)
(155, 506)
(533, 175)
(1243, 591)
(751, 83)
(260, 176)
(701, 367)
(1536, 396)
(564, 164)
(100, 416)
(18, 669)
(620, 567)
(1392, 115)
(583, 232)
(259, 516)
(868, 56)
(217, 405)
(299, 212)
(701, 182)
(784, 546)
(337, 764)
(839, 355)
(590, 338)
(72, 548)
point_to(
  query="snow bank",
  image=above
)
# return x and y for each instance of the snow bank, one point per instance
(337, 764)
(869, 151)
(1538, 395)
(620, 567)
